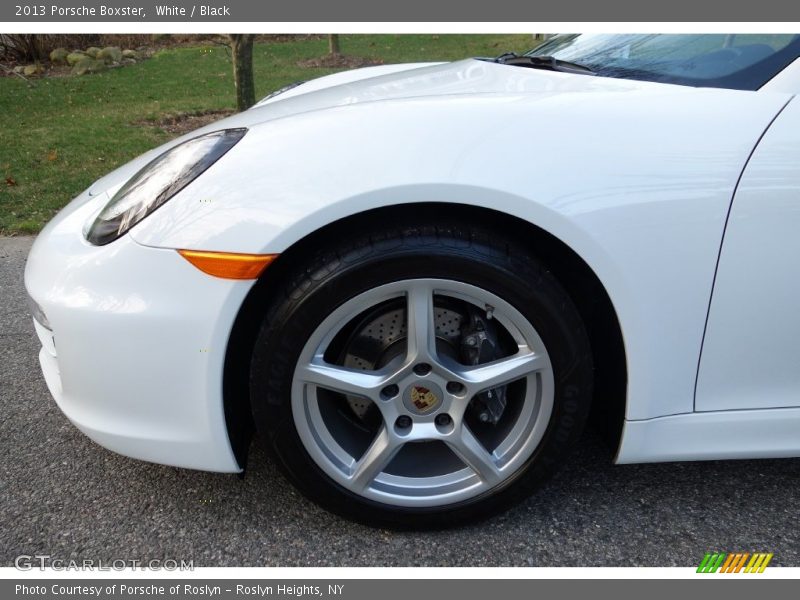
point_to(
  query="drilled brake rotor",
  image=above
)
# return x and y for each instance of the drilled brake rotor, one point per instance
(381, 337)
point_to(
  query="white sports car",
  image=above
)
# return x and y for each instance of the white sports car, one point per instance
(418, 282)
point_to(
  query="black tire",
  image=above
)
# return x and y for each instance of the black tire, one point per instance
(364, 261)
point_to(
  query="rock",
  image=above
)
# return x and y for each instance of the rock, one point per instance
(59, 56)
(74, 57)
(92, 51)
(111, 54)
(88, 65)
(32, 70)
(128, 61)
(82, 66)
(129, 54)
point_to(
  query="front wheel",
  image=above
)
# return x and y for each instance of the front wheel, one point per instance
(424, 380)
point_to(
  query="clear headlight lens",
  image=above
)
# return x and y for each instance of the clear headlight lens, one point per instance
(158, 181)
(38, 314)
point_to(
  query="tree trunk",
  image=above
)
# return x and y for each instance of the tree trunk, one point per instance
(242, 50)
(333, 44)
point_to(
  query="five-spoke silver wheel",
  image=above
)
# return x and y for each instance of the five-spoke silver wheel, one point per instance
(385, 405)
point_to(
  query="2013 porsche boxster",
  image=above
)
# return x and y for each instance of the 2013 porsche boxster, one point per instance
(419, 282)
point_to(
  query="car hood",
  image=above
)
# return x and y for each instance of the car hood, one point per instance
(397, 82)
(471, 76)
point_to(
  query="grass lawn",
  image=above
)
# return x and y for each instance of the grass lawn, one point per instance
(65, 132)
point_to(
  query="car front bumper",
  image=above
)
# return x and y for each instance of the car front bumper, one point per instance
(135, 353)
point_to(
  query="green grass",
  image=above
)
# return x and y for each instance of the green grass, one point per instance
(63, 133)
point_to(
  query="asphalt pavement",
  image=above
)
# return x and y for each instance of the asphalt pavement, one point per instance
(65, 496)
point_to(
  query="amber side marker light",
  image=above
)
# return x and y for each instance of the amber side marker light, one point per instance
(229, 265)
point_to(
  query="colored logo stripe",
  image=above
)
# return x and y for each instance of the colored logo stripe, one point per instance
(758, 563)
(735, 562)
(711, 562)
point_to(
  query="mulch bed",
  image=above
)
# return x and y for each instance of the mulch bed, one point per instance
(339, 61)
(184, 122)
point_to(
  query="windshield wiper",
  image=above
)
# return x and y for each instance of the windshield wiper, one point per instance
(550, 63)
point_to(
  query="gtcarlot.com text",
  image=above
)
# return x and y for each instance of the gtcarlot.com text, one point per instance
(27, 562)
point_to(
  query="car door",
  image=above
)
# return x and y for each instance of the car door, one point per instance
(751, 351)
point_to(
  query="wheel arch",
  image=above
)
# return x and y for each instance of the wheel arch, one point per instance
(582, 284)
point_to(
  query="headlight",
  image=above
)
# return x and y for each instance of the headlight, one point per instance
(158, 181)
(38, 314)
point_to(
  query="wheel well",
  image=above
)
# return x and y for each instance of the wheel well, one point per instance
(583, 286)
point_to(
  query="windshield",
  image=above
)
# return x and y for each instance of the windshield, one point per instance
(735, 61)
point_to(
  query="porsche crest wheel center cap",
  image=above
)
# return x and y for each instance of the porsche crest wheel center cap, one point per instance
(422, 398)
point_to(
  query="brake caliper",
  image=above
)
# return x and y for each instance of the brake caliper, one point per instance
(479, 345)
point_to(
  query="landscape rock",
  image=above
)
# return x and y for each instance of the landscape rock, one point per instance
(130, 54)
(74, 57)
(32, 70)
(19, 69)
(92, 51)
(59, 56)
(88, 65)
(110, 54)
